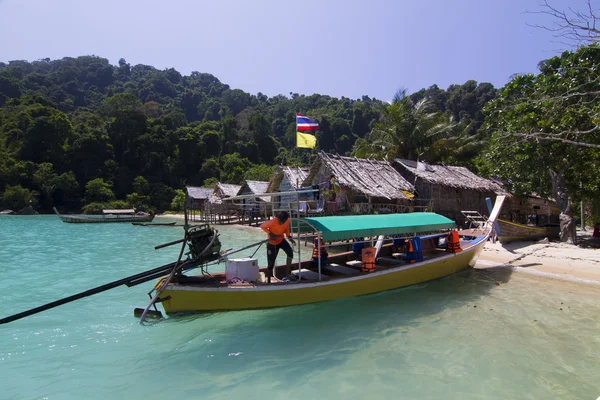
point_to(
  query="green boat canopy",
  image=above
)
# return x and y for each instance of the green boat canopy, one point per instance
(351, 226)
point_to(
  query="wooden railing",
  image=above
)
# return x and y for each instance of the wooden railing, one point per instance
(313, 208)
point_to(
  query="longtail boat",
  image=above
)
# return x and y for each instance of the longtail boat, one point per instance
(243, 285)
(128, 215)
(511, 231)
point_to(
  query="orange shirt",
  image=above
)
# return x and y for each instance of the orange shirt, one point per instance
(273, 226)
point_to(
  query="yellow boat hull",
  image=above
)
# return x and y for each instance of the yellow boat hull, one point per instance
(189, 298)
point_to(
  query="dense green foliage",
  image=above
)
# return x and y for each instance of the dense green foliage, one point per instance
(79, 131)
(433, 125)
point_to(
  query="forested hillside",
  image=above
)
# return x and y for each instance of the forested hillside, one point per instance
(80, 131)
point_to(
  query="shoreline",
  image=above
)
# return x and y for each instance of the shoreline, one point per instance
(555, 260)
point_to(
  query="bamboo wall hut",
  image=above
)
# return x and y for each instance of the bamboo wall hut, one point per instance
(286, 179)
(451, 189)
(358, 186)
(254, 209)
(219, 210)
(197, 201)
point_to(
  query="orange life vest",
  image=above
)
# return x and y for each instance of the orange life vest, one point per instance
(315, 254)
(368, 259)
(453, 243)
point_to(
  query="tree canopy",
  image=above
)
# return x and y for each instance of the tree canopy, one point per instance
(69, 123)
(544, 129)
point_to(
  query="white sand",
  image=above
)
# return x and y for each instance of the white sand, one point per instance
(554, 258)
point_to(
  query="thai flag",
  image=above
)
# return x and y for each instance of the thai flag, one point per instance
(304, 123)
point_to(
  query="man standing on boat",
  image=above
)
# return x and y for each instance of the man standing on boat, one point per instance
(277, 228)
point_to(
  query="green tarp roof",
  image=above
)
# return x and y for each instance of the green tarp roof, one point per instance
(351, 226)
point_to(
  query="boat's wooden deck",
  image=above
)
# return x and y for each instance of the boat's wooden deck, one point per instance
(339, 266)
(472, 232)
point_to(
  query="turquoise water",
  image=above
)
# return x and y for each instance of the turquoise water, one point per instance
(463, 337)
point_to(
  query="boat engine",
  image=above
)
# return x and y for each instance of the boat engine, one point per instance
(199, 238)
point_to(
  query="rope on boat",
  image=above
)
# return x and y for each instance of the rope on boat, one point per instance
(258, 247)
(244, 248)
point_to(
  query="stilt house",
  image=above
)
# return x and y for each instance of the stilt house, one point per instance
(219, 210)
(256, 208)
(197, 200)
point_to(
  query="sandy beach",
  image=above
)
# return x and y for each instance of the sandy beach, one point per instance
(553, 259)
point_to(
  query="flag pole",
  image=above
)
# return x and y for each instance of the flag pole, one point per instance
(298, 203)
(296, 151)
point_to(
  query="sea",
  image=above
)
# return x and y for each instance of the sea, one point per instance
(489, 333)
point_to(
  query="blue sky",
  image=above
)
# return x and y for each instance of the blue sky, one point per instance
(336, 47)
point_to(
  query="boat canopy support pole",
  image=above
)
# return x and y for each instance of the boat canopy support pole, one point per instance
(298, 241)
(319, 252)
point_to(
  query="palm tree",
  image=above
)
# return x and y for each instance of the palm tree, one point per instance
(458, 149)
(406, 130)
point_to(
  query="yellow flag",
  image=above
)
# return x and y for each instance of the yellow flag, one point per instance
(305, 140)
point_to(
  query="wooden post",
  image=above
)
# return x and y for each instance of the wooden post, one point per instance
(582, 215)
(582, 211)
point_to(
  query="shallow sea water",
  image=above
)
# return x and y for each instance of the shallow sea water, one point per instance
(481, 334)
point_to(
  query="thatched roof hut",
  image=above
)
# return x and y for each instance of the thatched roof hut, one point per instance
(452, 189)
(448, 175)
(197, 197)
(286, 179)
(357, 182)
(222, 191)
(223, 209)
(254, 207)
(255, 187)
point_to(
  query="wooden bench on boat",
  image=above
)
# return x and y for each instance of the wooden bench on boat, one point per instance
(340, 269)
(390, 260)
(307, 274)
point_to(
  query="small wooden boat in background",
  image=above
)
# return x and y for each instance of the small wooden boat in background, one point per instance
(128, 215)
(511, 231)
(154, 224)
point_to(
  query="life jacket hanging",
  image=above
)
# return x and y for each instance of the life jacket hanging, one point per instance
(453, 243)
(368, 259)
